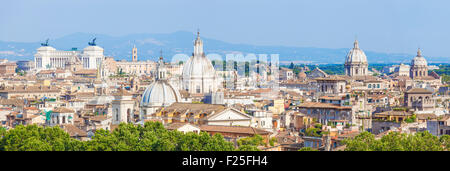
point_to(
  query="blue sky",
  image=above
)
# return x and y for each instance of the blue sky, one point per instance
(393, 26)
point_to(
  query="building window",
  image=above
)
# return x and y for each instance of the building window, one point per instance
(198, 89)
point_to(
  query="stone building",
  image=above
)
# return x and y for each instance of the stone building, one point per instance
(123, 107)
(419, 99)
(324, 112)
(8, 69)
(286, 74)
(60, 116)
(439, 126)
(332, 85)
(25, 91)
(50, 58)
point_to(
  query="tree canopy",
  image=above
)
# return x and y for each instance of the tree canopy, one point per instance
(152, 136)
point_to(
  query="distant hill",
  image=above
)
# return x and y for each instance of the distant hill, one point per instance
(149, 46)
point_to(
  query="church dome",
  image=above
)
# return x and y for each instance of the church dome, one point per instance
(160, 93)
(356, 55)
(419, 59)
(198, 67)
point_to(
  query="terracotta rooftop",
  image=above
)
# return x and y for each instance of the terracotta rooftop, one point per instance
(233, 129)
(99, 118)
(364, 77)
(122, 92)
(393, 113)
(74, 131)
(332, 97)
(331, 78)
(194, 108)
(174, 126)
(323, 105)
(419, 91)
(426, 116)
(16, 102)
(62, 110)
(86, 71)
(425, 78)
(25, 89)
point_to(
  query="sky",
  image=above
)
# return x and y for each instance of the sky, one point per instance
(392, 26)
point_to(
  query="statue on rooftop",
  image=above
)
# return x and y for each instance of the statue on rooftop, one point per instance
(45, 44)
(93, 42)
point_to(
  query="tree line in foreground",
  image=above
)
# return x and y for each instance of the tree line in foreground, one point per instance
(152, 136)
(395, 141)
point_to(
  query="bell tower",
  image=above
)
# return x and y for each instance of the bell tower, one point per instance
(134, 52)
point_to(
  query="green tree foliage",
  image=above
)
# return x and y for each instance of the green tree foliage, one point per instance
(34, 138)
(411, 119)
(152, 136)
(272, 141)
(2, 131)
(394, 141)
(445, 140)
(313, 132)
(250, 143)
